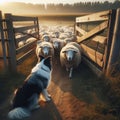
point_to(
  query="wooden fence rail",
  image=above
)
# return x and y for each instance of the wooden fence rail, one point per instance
(21, 35)
(3, 51)
(95, 34)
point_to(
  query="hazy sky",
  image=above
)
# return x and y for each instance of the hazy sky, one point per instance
(54, 1)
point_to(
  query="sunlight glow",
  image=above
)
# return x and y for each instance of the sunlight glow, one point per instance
(52, 1)
(3, 2)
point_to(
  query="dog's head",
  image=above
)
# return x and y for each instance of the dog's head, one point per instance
(47, 62)
(41, 58)
(43, 63)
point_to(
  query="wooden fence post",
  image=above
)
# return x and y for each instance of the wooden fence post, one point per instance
(3, 41)
(115, 47)
(109, 40)
(11, 43)
(37, 29)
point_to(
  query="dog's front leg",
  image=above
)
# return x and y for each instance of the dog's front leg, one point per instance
(46, 96)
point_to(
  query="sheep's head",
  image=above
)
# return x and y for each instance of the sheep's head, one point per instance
(57, 34)
(56, 44)
(69, 54)
(45, 50)
(46, 38)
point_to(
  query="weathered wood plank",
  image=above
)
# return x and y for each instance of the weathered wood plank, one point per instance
(83, 32)
(21, 29)
(97, 29)
(94, 68)
(22, 18)
(11, 43)
(100, 39)
(92, 51)
(100, 16)
(25, 37)
(109, 38)
(3, 41)
(25, 56)
(93, 58)
(115, 47)
(26, 46)
(92, 54)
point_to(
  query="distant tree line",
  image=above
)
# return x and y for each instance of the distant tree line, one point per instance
(81, 7)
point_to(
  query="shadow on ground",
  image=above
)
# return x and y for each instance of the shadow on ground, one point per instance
(81, 98)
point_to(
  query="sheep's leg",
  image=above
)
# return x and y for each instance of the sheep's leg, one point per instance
(70, 74)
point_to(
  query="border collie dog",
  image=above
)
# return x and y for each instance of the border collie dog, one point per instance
(26, 98)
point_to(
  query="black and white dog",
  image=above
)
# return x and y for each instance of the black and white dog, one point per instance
(26, 98)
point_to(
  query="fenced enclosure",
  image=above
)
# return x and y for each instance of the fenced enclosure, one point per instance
(18, 38)
(95, 33)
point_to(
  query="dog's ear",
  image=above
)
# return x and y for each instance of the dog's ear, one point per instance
(47, 62)
(41, 58)
(48, 58)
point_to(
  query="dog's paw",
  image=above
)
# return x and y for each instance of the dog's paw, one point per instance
(49, 95)
(48, 99)
(45, 99)
(37, 106)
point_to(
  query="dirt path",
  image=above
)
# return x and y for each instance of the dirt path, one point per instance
(81, 98)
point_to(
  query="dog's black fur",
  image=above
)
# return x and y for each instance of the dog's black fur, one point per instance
(23, 94)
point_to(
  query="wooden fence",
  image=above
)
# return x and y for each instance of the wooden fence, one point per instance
(18, 36)
(96, 34)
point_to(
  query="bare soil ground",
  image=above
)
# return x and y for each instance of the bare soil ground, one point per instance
(83, 97)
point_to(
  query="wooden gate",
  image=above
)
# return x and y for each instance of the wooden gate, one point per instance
(21, 36)
(95, 33)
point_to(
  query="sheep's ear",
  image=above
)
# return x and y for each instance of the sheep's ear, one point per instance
(41, 57)
(40, 46)
(47, 60)
(64, 51)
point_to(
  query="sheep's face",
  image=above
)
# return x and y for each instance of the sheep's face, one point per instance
(46, 38)
(70, 54)
(57, 34)
(45, 50)
(56, 44)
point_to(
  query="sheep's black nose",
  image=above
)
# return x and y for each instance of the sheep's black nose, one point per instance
(69, 59)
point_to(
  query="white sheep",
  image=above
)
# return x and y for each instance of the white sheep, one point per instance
(18, 36)
(55, 34)
(44, 49)
(31, 39)
(43, 33)
(70, 39)
(70, 57)
(58, 44)
(21, 43)
(64, 35)
(46, 38)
